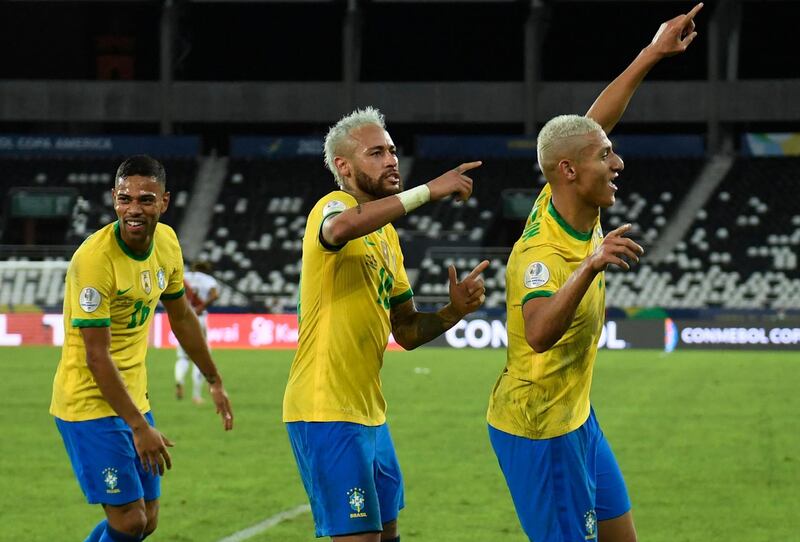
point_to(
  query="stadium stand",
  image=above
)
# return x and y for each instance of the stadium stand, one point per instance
(93, 178)
(255, 241)
(740, 252)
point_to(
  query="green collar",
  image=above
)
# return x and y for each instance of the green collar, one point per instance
(127, 250)
(580, 236)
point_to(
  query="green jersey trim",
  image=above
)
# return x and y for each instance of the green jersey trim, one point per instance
(176, 295)
(580, 236)
(402, 298)
(126, 249)
(538, 293)
(96, 322)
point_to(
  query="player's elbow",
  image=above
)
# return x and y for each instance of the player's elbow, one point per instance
(96, 359)
(538, 342)
(405, 342)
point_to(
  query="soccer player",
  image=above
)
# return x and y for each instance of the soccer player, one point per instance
(100, 401)
(354, 292)
(563, 477)
(204, 291)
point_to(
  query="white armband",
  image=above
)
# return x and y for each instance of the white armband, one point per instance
(411, 199)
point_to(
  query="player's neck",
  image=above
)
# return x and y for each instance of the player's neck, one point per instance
(139, 247)
(578, 215)
(361, 197)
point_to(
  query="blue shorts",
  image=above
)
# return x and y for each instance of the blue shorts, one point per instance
(105, 461)
(350, 473)
(561, 487)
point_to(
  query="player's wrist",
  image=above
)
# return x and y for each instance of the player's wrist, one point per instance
(138, 425)
(652, 55)
(414, 197)
(451, 315)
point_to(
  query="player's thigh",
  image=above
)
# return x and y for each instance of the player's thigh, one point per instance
(549, 484)
(618, 529)
(612, 500)
(388, 477)
(104, 460)
(336, 461)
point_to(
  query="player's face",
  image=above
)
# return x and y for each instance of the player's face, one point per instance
(374, 163)
(139, 202)
(597, 169)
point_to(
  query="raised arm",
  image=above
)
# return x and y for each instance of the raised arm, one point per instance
(187, 330)
(673, 37)
(150, 444)
(367, 217)
(412, 328)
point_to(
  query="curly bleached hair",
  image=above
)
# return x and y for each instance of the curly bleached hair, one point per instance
(339, 133)
(559, 128)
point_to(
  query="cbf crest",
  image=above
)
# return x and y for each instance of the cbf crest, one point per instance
(590, 522)
(356, 500)
(161, 278)
(110, 479)
(147, 281)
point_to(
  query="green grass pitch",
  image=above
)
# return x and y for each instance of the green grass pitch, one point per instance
(709, 443)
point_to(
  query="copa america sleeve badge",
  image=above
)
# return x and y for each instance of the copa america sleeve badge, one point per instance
(333, 207)
(537, 274)
(89, 299)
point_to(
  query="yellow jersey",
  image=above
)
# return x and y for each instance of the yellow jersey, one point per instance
(546, 395)
(346, 294)
(107, 285)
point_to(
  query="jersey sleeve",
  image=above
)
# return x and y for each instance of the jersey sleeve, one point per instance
(175, 288)
(325, 209)
(401, 290)
(91, 287)
(541, 273)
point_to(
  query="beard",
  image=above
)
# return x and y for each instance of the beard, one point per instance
(376, 187)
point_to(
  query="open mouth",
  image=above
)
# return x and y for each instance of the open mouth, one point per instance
(393, 178)
(134, 224)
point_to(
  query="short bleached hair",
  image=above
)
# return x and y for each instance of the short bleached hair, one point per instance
(562, 127)
(339, 133)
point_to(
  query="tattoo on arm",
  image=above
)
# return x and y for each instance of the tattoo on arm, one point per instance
(211, 379)
(417, 328)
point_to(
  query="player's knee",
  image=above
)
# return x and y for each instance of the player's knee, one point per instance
(152, 524)
(151, 512)
(131, 522)
(389, 533)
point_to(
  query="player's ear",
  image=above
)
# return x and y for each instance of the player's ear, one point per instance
(567, 169)
(165, 201)
(342, 166)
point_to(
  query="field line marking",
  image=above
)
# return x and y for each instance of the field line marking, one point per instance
(268, 523)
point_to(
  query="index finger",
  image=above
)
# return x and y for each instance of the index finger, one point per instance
(480, 268)
(167, 459)
(227, 416)
(468, 166)
(619, 232)
(693, 12)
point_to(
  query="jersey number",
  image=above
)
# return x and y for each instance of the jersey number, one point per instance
(137, 308)
(385, 284)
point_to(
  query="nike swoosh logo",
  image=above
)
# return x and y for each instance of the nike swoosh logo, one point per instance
(368, 242)
(121, 292)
